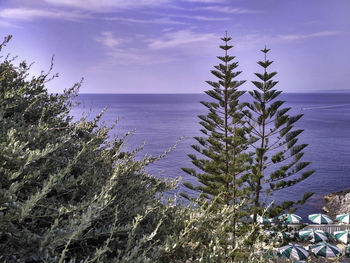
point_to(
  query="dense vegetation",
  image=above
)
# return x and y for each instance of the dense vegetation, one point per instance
(70, 193)
(67, 190)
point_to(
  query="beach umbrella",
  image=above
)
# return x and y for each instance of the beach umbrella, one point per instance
(315, 235)
(344, 218)
(320, 219)
(290, 218)
(262, 220)
(324, 249)
(343, 236)
(293, 251)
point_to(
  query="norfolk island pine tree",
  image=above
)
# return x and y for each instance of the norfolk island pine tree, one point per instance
(275, 143)
(224, 143)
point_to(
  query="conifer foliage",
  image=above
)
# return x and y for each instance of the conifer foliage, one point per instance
(278, 155)
(222, 158)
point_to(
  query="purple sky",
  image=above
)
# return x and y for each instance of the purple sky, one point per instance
(169, 46)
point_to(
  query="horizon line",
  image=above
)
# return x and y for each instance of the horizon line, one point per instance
(199, 93)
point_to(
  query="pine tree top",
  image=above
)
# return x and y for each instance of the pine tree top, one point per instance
(265, 50)
(226, 39)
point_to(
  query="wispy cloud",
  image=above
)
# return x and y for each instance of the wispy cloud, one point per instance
(167, 20)
(109, 40)
(136, 56)
(228, 9)
(200, 18)
(32, 14)
(183, 44)
(119, 54)
(248, 41)
(106, 5)
(180, 38)
(160, 21)
(292, 37)
(4, 23)
(207, 18)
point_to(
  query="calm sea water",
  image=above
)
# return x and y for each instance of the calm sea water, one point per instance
(160, 120)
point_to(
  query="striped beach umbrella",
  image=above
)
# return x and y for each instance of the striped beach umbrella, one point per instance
(262, 220)
(343, 236)
(344, 218)
(290, 218)
(314, 235)
(293, 251)
(320, 219)
(324, 249)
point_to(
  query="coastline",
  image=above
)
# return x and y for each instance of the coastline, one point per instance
(337, 203)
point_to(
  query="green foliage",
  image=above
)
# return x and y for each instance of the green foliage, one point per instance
(206, 234)
(277, 154)
(70, 193)
(222, 159)
(66, 190)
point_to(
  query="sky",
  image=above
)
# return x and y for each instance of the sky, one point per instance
(170, 46)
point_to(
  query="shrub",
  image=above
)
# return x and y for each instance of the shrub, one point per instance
(67, 191)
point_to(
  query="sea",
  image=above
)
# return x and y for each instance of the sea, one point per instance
(159, 121)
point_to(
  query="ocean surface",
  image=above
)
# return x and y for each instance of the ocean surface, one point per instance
(160, 120)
